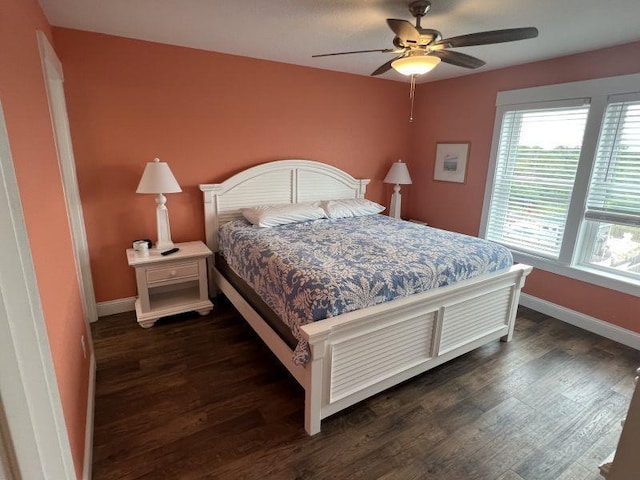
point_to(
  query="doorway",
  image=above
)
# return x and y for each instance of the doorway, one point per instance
(35, 430)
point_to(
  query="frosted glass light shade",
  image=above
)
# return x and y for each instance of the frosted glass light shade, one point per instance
(157, 178)
(415, 64)
(398, 174)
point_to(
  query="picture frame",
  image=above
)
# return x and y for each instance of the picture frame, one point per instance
(451, 161)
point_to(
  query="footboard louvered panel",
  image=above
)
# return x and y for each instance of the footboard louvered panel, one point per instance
(474, 318)
(361, 361)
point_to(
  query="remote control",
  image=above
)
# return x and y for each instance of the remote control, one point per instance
(169, 252)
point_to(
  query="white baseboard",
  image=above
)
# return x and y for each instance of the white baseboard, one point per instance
(88, 431)
(112, 307)
(592, 324)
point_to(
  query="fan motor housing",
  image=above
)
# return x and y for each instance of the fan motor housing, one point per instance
(428, 36)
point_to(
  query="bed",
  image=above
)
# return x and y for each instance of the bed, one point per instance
(352, 356)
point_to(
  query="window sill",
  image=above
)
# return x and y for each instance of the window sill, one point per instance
(612, 281)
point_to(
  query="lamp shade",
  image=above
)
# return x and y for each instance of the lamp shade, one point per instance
(157, 178)
(415, 64)
(398, 174)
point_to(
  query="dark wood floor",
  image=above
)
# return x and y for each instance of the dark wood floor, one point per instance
(201, 397)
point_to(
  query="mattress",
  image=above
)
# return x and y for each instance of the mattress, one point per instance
(253, 299)
(314, 270)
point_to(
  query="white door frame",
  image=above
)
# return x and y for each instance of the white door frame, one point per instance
(28, 388)
(54, 79)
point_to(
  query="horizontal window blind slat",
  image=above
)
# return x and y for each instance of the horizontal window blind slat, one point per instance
(538, 215)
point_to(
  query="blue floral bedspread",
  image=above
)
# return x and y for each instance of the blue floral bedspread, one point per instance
(313, 270)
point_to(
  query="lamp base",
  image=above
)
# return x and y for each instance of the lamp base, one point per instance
(396, 202)
(164, 246)
(162, 222)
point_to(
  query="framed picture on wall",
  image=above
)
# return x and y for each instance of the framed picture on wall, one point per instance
(451, 162)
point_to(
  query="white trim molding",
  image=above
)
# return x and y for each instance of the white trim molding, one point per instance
(28, 387)
(119, 305)
(88, 432)
(54, 83)
(608, 280)
(580, 320)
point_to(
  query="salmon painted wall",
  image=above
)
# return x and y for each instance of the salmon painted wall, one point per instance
(23, 97)
(209, 115)
(463, 109)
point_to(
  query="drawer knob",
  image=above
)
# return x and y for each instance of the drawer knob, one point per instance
(173, 273)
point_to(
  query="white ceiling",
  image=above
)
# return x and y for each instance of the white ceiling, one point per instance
(291, 31)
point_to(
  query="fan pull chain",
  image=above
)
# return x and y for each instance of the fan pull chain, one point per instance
(412, 94)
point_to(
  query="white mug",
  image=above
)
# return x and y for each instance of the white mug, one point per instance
(141, 247)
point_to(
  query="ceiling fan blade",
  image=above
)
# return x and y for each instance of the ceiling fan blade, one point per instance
(458, 59)
(492, 36)
(385, 67)
(385, 50)
(404, 30)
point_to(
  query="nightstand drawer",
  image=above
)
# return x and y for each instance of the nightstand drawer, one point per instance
(180, 271)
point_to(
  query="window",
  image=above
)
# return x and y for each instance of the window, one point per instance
(612, 217)
(563, 187)
(536, 167)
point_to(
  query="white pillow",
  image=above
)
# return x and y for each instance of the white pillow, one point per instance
(351, 207)
(274, 215)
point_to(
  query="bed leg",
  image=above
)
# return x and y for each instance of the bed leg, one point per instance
(512, 324)
(313, 397)
(513, 311)
(311, 416)
(314, 385)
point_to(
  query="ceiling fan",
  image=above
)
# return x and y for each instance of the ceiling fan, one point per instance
(420, 49)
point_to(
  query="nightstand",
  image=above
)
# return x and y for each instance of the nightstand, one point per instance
(413, 220)
(171, 284)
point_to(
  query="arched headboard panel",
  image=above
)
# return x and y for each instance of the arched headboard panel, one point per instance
(274, 183)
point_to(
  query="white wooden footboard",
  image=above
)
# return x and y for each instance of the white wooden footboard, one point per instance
(359, 354)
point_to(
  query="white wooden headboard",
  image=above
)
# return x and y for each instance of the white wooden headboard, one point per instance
(274, 183)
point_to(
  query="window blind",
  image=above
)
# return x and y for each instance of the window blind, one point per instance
(536, 163)
(614, 190)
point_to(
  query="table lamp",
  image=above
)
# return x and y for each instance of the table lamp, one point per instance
(157, 178)
(399, 175)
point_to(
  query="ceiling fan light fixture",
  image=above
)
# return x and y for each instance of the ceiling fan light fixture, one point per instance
(415, 64)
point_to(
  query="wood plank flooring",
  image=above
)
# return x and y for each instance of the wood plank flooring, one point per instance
(202, 397)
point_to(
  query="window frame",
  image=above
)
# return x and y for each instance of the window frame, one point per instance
(586, 239)
(554, 104)
(597, 93)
